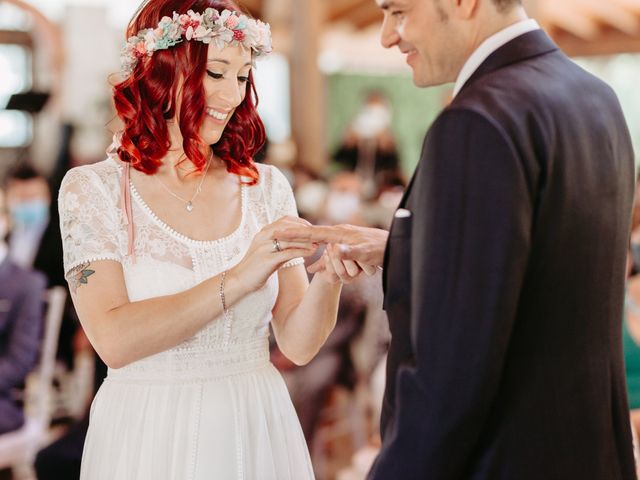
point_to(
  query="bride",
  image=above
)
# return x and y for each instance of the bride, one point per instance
(175, 273)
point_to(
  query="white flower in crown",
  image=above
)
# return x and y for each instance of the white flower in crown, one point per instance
(150, 41)
(226, 28)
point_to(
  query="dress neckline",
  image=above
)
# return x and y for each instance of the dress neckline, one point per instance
(180, 236)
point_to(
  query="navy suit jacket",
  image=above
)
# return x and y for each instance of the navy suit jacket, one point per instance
(504, 288)
(21, 321)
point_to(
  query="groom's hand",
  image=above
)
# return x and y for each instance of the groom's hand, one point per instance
(361, 244)
(346, 271)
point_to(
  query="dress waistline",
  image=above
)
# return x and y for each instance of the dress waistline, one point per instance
(185, 364)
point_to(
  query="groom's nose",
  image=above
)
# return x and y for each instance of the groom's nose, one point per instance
(389, 36)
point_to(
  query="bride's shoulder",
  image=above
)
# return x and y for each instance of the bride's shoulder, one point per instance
(271, 176)
(103, 175)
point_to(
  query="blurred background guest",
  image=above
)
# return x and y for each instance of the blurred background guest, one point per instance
(368, 146)
(28, 200)
(21, 314)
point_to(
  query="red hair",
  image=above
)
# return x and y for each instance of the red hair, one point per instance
(146, 100)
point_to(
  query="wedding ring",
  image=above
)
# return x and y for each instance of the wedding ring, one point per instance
(276, 246)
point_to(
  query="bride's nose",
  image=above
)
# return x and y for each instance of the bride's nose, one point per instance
(230, 92)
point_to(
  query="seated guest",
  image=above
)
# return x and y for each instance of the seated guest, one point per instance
(21, 314)
(28, 200)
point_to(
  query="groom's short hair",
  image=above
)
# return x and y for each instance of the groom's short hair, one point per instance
(505, 5)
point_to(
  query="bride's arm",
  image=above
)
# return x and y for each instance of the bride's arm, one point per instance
(304, 315)
(123, 332)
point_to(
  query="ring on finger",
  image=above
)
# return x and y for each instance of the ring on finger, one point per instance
(276, 246)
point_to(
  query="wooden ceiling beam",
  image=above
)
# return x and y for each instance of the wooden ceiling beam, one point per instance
(555, 15)
(254, 7)
(611, 43)
(609, 13)
(342, 10)
(367, 18)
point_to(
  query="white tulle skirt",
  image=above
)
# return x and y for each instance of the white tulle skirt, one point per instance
(231, 420)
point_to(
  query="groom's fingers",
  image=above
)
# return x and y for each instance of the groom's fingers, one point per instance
(370, 270)
(352, 268)
(338, 265)
(316, 266)
(345, 252)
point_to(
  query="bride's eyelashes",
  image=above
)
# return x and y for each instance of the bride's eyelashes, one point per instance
(218, 76)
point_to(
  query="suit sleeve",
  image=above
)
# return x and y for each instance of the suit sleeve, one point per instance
(470, 240)
(25, 335)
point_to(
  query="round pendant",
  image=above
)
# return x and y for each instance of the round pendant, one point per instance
(189, 206)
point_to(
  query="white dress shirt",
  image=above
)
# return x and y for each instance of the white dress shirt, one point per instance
(490, 45)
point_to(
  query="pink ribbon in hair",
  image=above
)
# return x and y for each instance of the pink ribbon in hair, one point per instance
(125, 199)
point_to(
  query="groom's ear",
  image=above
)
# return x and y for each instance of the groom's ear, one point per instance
(464, 9)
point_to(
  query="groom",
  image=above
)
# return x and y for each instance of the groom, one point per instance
(504, 266)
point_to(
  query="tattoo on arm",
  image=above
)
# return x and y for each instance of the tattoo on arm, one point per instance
(79, 276)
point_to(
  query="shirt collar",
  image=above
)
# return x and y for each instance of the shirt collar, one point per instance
(490, 45)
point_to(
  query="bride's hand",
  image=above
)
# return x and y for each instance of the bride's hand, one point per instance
(266, 254)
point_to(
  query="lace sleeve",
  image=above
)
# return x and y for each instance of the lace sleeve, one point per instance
(87, 220)
(281, 202)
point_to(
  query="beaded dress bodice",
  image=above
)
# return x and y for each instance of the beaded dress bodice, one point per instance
(166, 262)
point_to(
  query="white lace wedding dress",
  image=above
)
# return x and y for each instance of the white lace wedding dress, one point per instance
(213, 407)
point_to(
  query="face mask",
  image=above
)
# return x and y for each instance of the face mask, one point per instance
(341, 206)
(310, 197)
(372, 120)
(31, 213)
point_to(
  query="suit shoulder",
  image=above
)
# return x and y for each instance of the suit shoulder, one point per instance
(540, 86)
(456, 120)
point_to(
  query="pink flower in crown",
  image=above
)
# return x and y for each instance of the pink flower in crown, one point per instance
(232, 22)
(238, 35)
(140, 49)
(190, 19)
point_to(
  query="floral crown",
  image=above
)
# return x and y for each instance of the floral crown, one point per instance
(212, 26)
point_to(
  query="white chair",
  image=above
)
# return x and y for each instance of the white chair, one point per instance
(18, 449)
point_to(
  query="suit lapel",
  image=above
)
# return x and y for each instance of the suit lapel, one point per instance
(402, 204)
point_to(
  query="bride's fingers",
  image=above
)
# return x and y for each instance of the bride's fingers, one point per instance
(288, 222)
(291, 253)
(283, 245)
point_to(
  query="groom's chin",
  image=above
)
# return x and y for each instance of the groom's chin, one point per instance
(424, 81)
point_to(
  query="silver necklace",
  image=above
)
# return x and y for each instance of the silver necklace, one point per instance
(189, 202)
